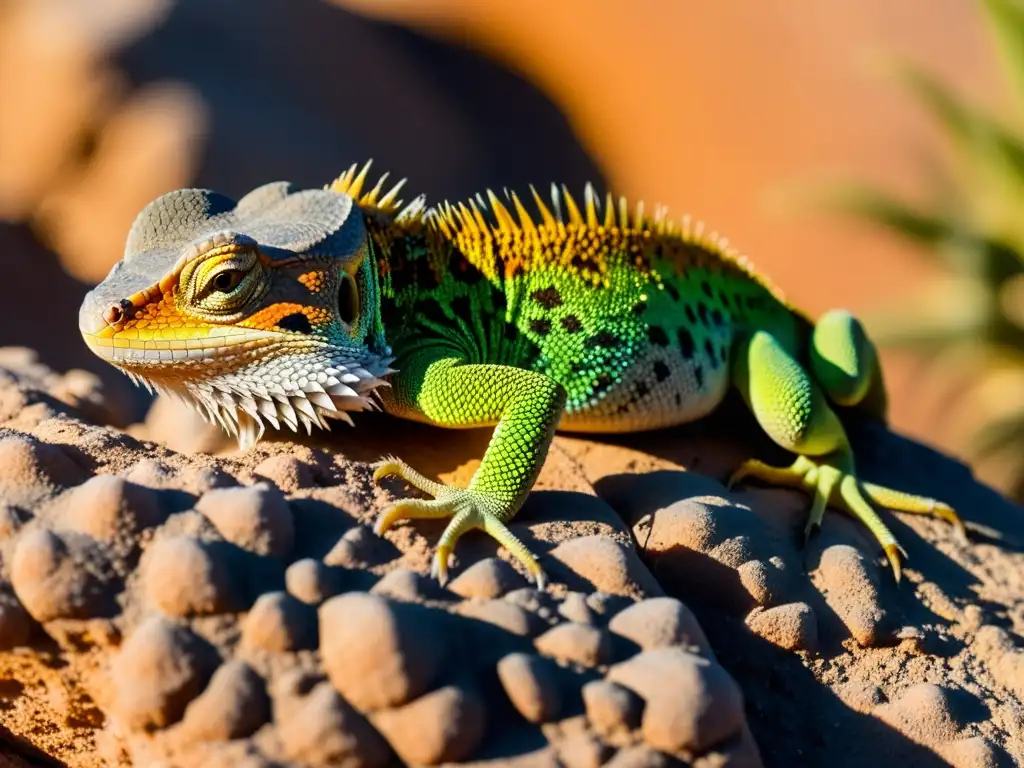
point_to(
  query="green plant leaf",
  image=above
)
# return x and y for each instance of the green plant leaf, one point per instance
(1006, 19)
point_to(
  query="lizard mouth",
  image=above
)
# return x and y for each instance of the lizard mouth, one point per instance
(245, 379)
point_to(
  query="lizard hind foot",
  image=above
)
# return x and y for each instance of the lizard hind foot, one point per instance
(468, 510)
(830, 484)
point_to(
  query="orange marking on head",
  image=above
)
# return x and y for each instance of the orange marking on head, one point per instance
(268, 318)
(313, 280)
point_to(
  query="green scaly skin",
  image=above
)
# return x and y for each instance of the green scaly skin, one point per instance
(592, 321)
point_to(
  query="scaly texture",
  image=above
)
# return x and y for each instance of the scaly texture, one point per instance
(293, 307)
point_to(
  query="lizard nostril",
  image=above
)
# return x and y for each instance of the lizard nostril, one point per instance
(114, 314)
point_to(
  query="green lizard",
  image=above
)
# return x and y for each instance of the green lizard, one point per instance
(294, 307)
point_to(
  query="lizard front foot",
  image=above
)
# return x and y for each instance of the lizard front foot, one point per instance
(831, 481)
(468, 509)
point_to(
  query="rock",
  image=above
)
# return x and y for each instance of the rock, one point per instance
(975, 752)
(487, 578)
(183, 577)
(765, 582)
(608, 566)
(709, 713)
(278, 622)
(11, 520)
(579, 643)
(531, 686)
(60, 577)
(311, 581)
(659, 622)
(859, 696)
(851, 590)
(638, 756)
(792, 626)
(233, 705)
(923, 713)
(255, 518)
(574, 608)
(29, 468)
(108, 507)
(613, 711)
(376, 654)
(502, 614)
(324, 730)
(408, 586)
(445, 725)
(734, 551)
(286, 472)
(359, 547)
(582, 750)
(160, 669)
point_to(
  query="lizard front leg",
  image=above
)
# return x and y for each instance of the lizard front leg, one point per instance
(525, 407)
(792, 409)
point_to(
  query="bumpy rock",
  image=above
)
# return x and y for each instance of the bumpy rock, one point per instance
(107, 507)
(442, 726)
(286, 472)
(709, 713)
(851, 590)
(792, 626)
(233, 705)
(510, 617)
(160, 669)
(660, 622)
(574, 608)
(57, 578)
(609, 566)
(487, 578)
(310, 581)
(408, 586)
(324, 730)
(29, 468)
(923, 713)
(578, 643)
(183, 577)
(375, 654)
(278, 622)
(612, 709)
(531, 686)
(255, 518)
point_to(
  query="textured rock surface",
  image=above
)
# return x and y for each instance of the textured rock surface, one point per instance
(238, 609)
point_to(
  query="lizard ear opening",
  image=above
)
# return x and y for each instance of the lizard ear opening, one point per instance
(348, 300)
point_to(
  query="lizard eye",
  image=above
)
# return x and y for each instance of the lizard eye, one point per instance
(348, 299)
(228, 280)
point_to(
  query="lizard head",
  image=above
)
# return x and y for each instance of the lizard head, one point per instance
(260, 311)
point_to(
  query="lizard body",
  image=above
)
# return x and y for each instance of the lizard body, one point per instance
(294, 307)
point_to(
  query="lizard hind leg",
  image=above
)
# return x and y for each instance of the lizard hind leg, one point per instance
(844, 362)
(792, 409)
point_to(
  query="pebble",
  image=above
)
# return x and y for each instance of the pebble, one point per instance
(324, 730)
(278, 622)
(574, 608)
(923, 713)
(255, 518)
(851, 590)
(408, 586)
(233, 706)
(859, 696)
(53, 582)
(286, 472)
(107, 507)
(357, 548)
(974, 752)
(487, 578)
(530, 684)
(502, 614)
(11, 520)
(613, 711)
(376, 654)
(709, 713)
(660, 622)
(445, 725)
(311, 581)
(160, 669)
(182, 577)
(792, 626)
(582, 750)
(579, 643)
(607, 565)
(639, 756)
(27, 465)
(765, 582)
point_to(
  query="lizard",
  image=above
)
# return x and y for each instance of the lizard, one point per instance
(294, 307)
